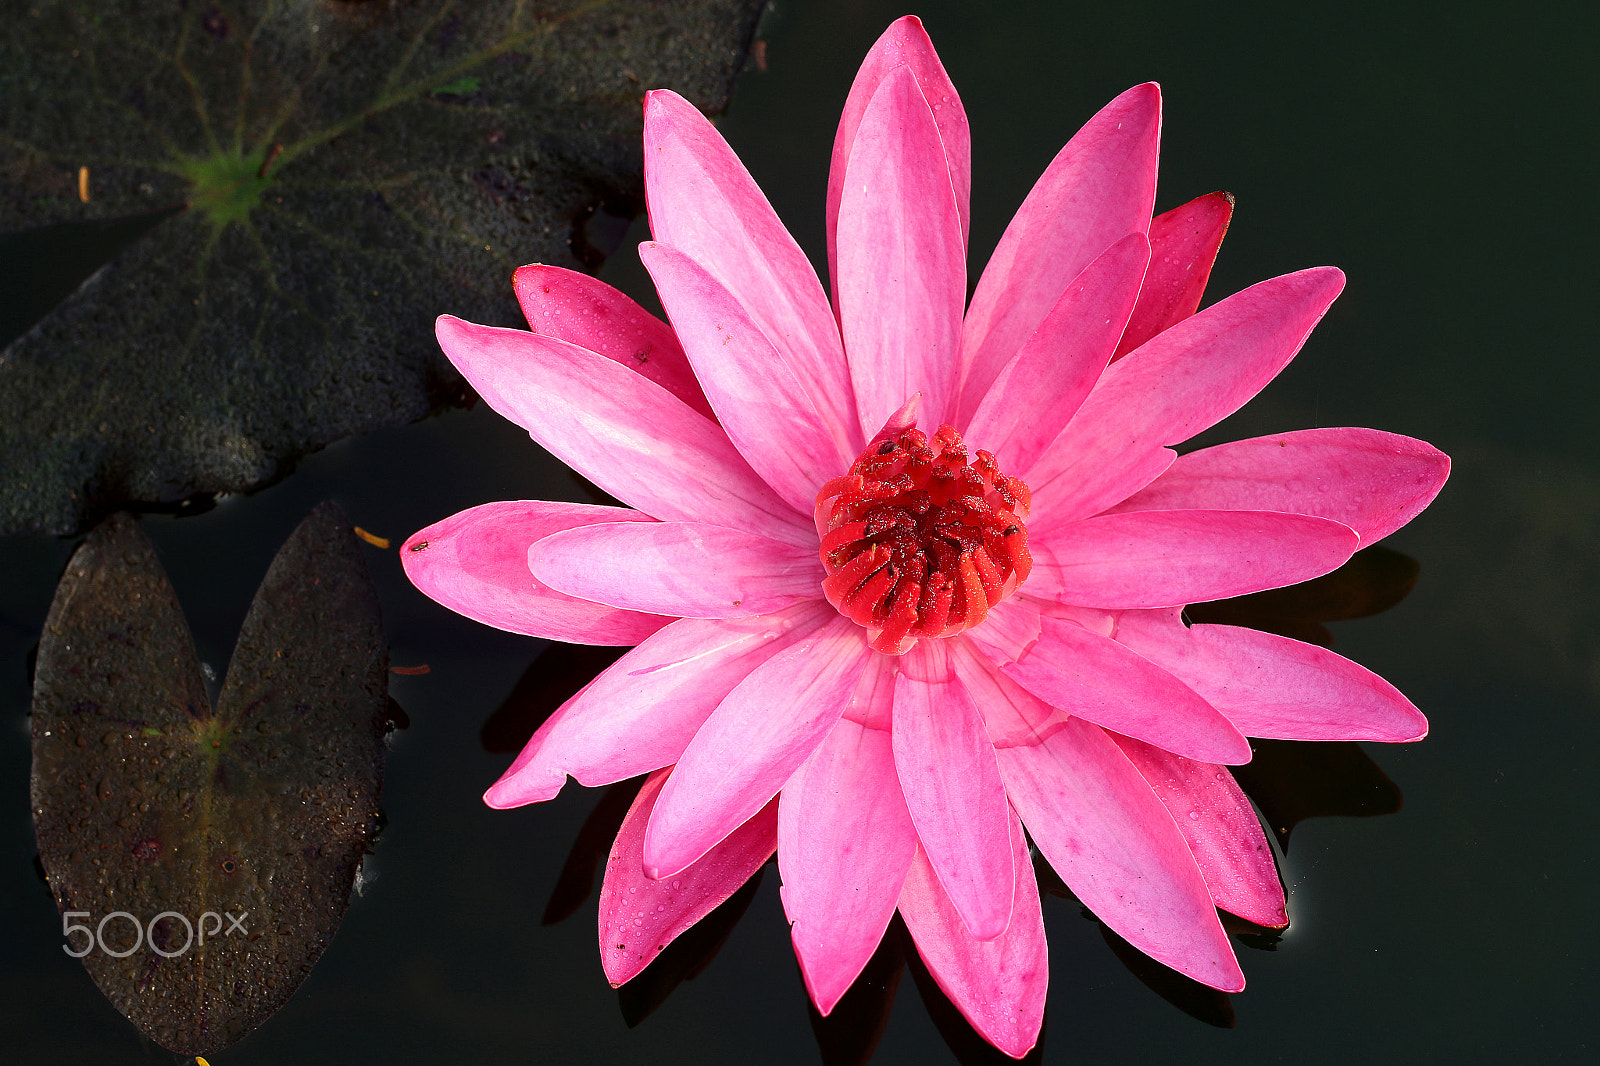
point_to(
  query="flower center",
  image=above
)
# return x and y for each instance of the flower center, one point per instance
(918, 542)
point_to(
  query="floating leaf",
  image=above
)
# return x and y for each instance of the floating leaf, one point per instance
(346, 172)
(157, 811)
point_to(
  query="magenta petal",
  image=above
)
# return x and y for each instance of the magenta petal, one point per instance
(1095, 819)
(1094, 677)
(1183, 380)
(775, 425)
(1372, 481)
(620, 430)
(574, 307)
(1039, 390)
(640, 916)
(704, 203)
(1183, 247)
(1167, 558)
(904, 44)
(952, 786)
(998, 985)
(756, 738)
(682, 569)
(902, 259)
(476, 563)
(1272, 686)
(1221, 828)
(1099, 187)
(640, 714)
(845, 841)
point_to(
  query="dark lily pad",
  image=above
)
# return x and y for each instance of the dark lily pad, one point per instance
(346, 171)
(146, 802)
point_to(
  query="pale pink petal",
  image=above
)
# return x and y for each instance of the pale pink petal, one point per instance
(1094, 817)
(575, 307)
(1099, 187)
(1183, 246)
(998, 985)
(756, 738)
(1094, 677)
(845, 841)
(1272, 686)
(953, 790)
(1181, 381)
(682, 569)
(904, 44)
(476, 563)
(902, 259)
(704, 203)
(620, 430)
(640, 916)
(1372, 481)
(643, 710)
(1040, 389)
(759, 401)
(1166, 558)
(1222, 830)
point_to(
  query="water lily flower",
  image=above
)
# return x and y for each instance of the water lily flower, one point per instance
(906, 574)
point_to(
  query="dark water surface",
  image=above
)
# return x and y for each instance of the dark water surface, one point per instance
(1448, 163)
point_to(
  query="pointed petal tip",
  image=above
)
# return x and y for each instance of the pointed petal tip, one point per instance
(514, 789)
(664, 859)
(1147, 94)
(825, 985)
(988, 926)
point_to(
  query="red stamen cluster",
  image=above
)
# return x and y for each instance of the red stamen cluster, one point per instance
(917, 542)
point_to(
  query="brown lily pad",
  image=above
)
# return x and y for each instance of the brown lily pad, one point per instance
(203, 858)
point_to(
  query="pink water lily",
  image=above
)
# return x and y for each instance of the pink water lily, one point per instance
(879, 653)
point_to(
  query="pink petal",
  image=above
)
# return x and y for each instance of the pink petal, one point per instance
(845, 841)
(1099, 187)
(476, 563)
(952, 787)
(620, 430)
(1183, 380)
(904, 44)
(1221, 828)
(1011, 714)
(772, 421)
(640, 916)
(682, 569)
(1272, 686)
(1039, 390)
(1098, 823)
(1166, 558)
(704, 203)
(1094, 677)
(1183, 246)
(575, 307)
(1373, 482)
(901, 258)
(755, 739)
(998, 985)
(641, 713)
